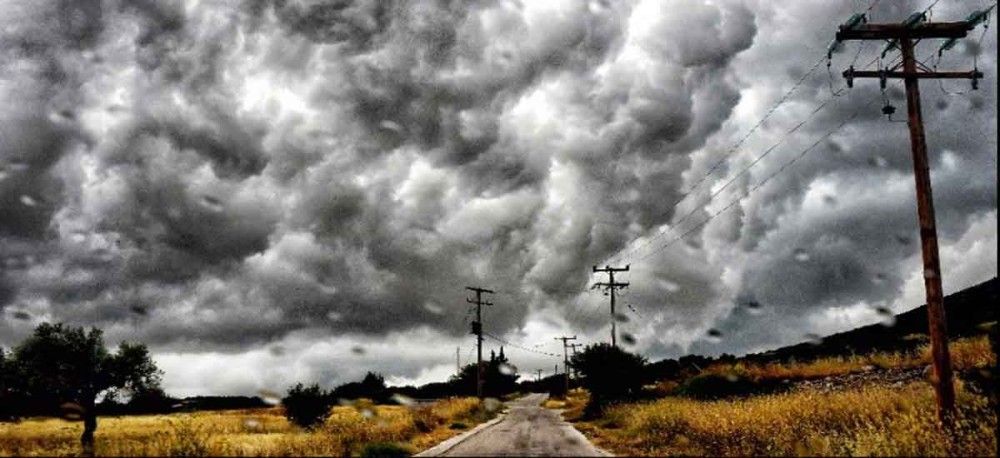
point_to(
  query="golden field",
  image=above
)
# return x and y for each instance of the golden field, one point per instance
(871, 419)
(253, 432)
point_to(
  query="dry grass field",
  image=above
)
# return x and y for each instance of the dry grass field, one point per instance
(255, 432)
(870, 419)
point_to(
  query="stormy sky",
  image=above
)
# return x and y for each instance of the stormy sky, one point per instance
(268, 192)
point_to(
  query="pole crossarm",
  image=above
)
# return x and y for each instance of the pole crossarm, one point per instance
(852, 73)
(895, 31)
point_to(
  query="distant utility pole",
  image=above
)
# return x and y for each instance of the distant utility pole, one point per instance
(611, 287)
(458, 361)
(564, 340)
(538, 378)
(477, 329)
(903, 36)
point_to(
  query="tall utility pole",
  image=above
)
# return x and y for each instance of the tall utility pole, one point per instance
(611, 287)
(539, 377)
(477, 329)
(564, 340)
(458, 361)
(903, 36)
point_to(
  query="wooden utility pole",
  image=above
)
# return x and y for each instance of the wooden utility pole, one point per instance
(903, 36)
(611, 286)
(564, 340)
(477, 329)
(458, 361)
(538, 378)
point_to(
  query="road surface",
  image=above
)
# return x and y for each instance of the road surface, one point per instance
(527, 429)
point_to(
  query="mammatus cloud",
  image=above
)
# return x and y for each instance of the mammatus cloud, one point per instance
(220, 179)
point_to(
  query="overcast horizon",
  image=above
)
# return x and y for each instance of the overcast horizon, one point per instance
(272, 192)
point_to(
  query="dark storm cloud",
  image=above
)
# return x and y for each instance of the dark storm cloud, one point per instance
(217, 177)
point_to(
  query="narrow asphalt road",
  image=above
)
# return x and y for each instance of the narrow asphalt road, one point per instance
(527, 429)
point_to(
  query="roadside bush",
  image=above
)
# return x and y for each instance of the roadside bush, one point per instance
(307, 407)
(720, 386)
(385, 450)
(609, 373)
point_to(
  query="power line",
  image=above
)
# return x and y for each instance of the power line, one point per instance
(757, 186)
(518, 346)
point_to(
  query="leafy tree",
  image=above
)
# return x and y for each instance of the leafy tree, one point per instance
(499, 377)
(609, 373)
(65, 365)
(307, 406)
(371, 387)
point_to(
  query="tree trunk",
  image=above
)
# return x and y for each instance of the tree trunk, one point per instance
(89, 426)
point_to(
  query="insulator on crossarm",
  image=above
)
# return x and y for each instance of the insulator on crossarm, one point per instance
(978, 17)
(889, 47)
(947, 45)
(855, 20)
(914, 19)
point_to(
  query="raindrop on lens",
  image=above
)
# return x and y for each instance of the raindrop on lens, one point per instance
(628, 339)
(886, 315)
(732, 378)
(903, 239)
(138, 310)
(830, 200)
(506, 369)
(402, 400)
(28, 201)
(269, 397)
(621, 317)
(801, 255)
(334, 316)
(814, 339)
(714, 335)
(211, 203)
(754, 307)
(276, 350)
(358, 350)
(22, 315)
(879, 278)
(252, 424)
(670, 286)
(929, 273)
(878, 161)
(71, 411)
(433, 308)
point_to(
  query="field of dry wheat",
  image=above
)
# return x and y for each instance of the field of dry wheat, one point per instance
(873, 419)
(252, 432)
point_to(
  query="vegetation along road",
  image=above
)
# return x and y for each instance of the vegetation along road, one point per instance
(527, 429)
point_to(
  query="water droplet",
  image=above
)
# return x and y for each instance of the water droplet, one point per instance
(879, 278)
(16, 166)
(507, 369)
(628, 339)
(732, 378)
(829, 200)
(670, 286)
(138, 310)
(358, 350)
(28, 201)
(269, 397)
(930, 273)
(878, 161)
(903, 239)
(814, 339)
(174, 213)
(71, 411)
(403, 400)
(621, 317)
(211, 203)
(276, 350)
(886, 316)
(21, 315)
(801, 255)
(345, 402)
(252, 424)
(433, 308)
(492, 404)
(714, 335)
(3, 174)
(753, 307)
(391, 126)
(334, 316)
(366, 412)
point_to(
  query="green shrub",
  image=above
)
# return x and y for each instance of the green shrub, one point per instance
(385, 450)
(307, 407)
(719, 386)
